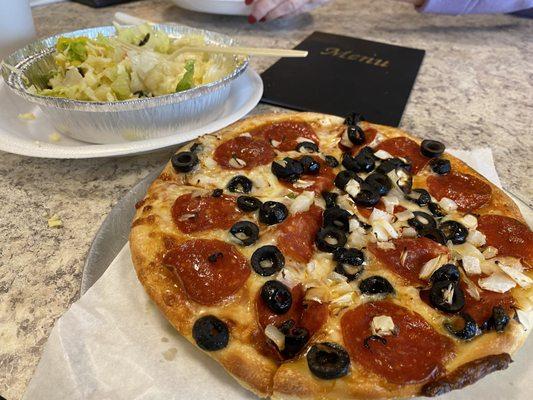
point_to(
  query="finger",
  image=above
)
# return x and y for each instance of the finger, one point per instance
(261, 8)
(286, 7)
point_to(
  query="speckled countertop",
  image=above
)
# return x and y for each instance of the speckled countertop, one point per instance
(475, 88)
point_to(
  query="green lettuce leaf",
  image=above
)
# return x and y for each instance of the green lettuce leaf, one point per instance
(73, 48)
(186, 81)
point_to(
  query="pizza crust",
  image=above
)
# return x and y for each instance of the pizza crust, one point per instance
(153, 234)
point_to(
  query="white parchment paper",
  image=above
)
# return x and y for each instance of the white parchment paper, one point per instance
(114, 344)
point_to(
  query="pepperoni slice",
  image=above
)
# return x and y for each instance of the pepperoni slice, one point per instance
(370, 135)
(416, 354)
(253, 151)
(481, 309)
(365, 211)
(297, 234)
(418, 252)
(285, 133)
(405, 147)
(511, 237)
(195, 214)
(210, 270)
(320, 183)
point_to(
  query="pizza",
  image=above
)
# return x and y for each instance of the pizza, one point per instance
(315, 256)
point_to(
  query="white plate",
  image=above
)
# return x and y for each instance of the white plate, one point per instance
(224, 7)
(31, 138)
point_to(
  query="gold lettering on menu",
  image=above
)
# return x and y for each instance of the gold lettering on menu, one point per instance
(351, 56)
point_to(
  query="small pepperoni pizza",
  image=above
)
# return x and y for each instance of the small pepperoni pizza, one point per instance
(323, 257)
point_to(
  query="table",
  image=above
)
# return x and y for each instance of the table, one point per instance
(474, 89)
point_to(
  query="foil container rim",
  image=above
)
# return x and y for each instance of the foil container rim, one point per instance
(27, 55)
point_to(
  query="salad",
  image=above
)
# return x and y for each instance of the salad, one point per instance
(138, 62)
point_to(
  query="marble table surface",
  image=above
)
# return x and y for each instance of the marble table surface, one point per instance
(475, 88)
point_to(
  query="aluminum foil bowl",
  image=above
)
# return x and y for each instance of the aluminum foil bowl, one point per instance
(120, 121)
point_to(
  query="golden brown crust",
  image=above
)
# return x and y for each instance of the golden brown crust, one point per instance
(153, 233)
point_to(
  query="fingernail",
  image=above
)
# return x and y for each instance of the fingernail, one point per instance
(248, 2)
(263, 19)
(252, 19)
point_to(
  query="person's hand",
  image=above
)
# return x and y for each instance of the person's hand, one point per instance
(266, 10)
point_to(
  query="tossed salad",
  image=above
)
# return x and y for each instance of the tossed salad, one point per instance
(138, 62)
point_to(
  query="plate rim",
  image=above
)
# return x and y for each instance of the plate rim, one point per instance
(144, 146)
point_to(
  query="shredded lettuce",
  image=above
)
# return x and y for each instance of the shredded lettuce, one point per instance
(186, 81)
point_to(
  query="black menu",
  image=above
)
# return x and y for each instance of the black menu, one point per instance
(343, 74)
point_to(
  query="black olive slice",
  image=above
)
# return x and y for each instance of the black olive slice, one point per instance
(391, 164)
(469, 328)
(311, 166)
(272, 212)
(448, 272)
(349, 262)
(364, 161)
(307, 147)
(328, 360)
(447, 296)
(343, 177)
(497, 321)
(436, 210)
(440, 166)
(184, 161)
(217, 193)
(337, 218)
(248, 203)
(210, 333)
(434, 234)
(375, 285)
(331, 161)
(379, 182)
(267, 260)
(355, 134)
(245, 232)
(196, 147)
(422, 197)
(287, 169)
(454, 231)
(329, 239)
(374, 338)
(367, 197)
(422, 221)
(276, 296)
(295, 341)
(405, 180)
(432, 148)
(240, 184)
(330, 198)
(353, 118)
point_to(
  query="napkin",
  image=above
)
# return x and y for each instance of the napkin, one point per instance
(114, 344)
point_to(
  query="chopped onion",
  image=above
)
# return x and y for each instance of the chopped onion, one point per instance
(476, 238)
(469, 221)
(490, 252)
(382, 325)
(497, 282)
(302, 139)
(380, 215)
(382, 154)
(522, 279)
(448, 204)
(431, 266)
(471, 265)
(246, 134)
(302, 202)
(390, 202)
(276, 336)
(353, 224)
(386, 245)
(352, 187)
(409, 232)
(209, 162)
(302, 184)
(523, 318)
(275, 143)
(383, 230)
(237, 163)
(404, 215)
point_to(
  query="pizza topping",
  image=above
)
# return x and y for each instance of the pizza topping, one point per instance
(184, 161)
(420, 197)
(295, 340)
(240, 184)
(422, 222)
(436, 235)
(440, 166)
(417, 253)
(415, 354)
(497, 282)
(364, 161)
(302, 202)
(248, 203)
(498, 321)
(454, 231)
(243, 152)
(331, 161)
(195, 214)
(329, 238)
(382, 325)
(405, 147)
(471, 265)
(436, 210)
(311, 166)
(356, 136)
(382, 155)
(510, 236)
(330, 198)
(245, 233)
(432, 148)
(307, 147)
(392, 164)
(272, 212)
(367, 197)
(379, 182)
(328, 360)
(287, 169)
(217, 193)
(337, 218)
(404, 181)
(343, 177)
(297, 234)
(463, 327)
(276, 296)
(267, 260)
(447, 296)
(277, 337)
(349, 262)
(476, 238)
(208, 280)
(430, 267)
(285, 134)
(519, 277)
(376, 285)
(468, 191)
(210, 333)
